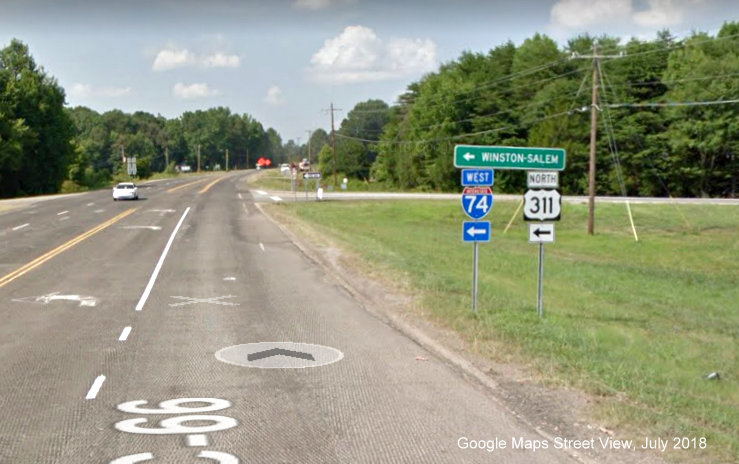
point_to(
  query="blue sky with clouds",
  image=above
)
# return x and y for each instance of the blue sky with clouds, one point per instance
(283, 61)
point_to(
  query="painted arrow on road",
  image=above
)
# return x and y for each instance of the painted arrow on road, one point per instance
(279, 352)
(46, 299)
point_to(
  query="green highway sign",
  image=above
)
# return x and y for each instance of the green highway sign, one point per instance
(478, 156)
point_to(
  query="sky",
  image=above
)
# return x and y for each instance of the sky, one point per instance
(284, 62)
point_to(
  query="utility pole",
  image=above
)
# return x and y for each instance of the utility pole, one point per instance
(247, 157)
(309, 136)
(333, 137)
(198, 157)
(593, 141)
(166, 158)
(593, 132)
(226, 159)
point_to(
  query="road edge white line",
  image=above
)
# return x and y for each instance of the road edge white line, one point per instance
(21, 226)
(124, 334)
(158, 267)
(96, 385)
(63, 212)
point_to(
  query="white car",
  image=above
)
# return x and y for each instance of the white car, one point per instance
(284, 167)
(125, 190)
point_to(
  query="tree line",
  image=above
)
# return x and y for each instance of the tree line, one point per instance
(668, 116)
(668, 122)
(159, 144)
(47, 148)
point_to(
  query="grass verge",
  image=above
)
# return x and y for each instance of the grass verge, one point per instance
(636, 323)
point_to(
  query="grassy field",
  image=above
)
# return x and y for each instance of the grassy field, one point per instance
(638, 324)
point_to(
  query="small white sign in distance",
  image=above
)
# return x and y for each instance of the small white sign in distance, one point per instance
(541, 233)
(542, 179)
(542, 205)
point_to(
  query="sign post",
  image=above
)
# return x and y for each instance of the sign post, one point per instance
(542, 202)
(312, 175)
(475, 232)
(477, 201)
(131, 165)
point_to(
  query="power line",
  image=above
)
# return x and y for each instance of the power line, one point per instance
(675, 81)
(454, 137)
(429, 102)
(670, 104)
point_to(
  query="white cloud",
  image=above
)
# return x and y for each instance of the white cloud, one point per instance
(86, 90)
(579, 14)
(358, 55)
(319, 4)
(274, 96)
(171, 58)
(197, 90)
(312, 4)
(661, 13)
(221, 60)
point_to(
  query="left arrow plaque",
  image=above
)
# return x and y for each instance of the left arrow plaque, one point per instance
(476, 231)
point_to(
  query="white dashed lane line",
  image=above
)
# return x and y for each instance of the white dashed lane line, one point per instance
(96, 385)
(21, 226)
(240, 197)
(261, 192)
(90, 204)
(63, 212)
(124, 335)
(261, 245)
(276, 198)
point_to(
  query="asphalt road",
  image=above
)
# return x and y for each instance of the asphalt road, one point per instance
(116, 320)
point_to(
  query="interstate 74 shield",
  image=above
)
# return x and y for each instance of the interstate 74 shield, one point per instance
(477, 201)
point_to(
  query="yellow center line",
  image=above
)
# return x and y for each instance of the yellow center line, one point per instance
(174, 189)
(207, 187)
(61, 248)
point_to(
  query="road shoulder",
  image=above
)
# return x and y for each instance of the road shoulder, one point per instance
(553, 411)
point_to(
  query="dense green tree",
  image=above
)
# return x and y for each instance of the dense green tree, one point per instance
(35, 131)
(356, 149)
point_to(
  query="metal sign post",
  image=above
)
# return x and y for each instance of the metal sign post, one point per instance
(474, 278)
(475, 232)
(540, 297)
(542, 202)
(307, 176)
(541, 233)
